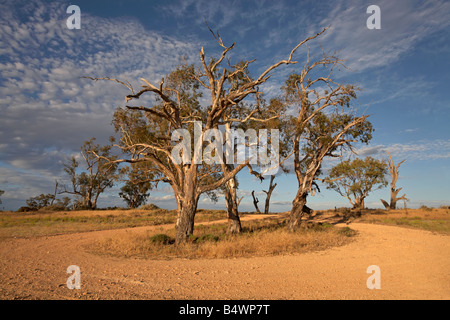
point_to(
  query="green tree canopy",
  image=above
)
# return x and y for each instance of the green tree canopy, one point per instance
(356, 179)
(136, 189)
(99, 174)
(41, 201)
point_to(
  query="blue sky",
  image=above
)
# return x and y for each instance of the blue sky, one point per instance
(48, 110)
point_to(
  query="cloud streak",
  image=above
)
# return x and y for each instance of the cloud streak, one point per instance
(403, 25)
(421, 150)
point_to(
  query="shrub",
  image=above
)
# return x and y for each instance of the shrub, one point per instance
(149, 206)
(343, 210)
(346, 231)
(318, 226)
(54, 207)
(207, 238)
(161, 238)
(25, 209)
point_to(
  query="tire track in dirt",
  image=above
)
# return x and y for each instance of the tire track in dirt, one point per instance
(414, 264)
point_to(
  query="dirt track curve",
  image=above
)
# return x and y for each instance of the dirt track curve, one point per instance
(414, 264)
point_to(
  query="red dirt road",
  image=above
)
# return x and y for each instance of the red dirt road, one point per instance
(414, 264)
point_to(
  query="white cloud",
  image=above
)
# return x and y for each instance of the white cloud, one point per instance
(44, 99)
(420, 150)
(403, 24)
(168, 197)
(410, 130)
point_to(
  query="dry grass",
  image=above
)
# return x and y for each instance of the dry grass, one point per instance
(431, 219)
(259, 238)
(41, 223)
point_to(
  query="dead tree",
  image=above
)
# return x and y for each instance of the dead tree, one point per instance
(269, 193)
(255, 202)
(393, 171)
(55, 192)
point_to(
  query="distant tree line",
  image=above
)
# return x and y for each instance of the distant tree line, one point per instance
(89, 177)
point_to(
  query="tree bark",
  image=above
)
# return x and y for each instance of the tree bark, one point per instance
(54, 193)
(394, 199)
(234, 222)
(88, 201)
(94, 203)
(385, 204)
(393, 202)
(299, 208)
(359, 204)
(269, 194)
(185, 225)
(255, 202)
(187, 206)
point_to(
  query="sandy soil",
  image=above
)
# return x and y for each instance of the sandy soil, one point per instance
(414, 264)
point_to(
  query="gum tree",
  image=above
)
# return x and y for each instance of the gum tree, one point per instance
(319, 122)
(146, 131)
(356, 179)
(136, 189)
(99, 174)
(248, 118)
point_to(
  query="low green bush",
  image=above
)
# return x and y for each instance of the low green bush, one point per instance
(161, 238)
